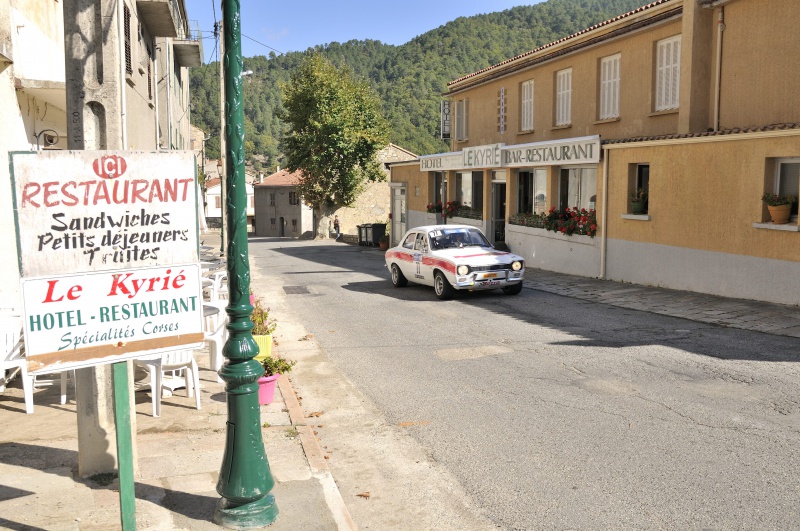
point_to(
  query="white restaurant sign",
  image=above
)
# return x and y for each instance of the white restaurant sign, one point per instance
(108, 254)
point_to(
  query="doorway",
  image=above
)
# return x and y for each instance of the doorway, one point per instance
(498, 230)
(282, 228)
(398, 213)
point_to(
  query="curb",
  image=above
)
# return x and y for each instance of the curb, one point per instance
(316, 459)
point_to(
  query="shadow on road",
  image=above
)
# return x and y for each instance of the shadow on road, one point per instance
(597, 324)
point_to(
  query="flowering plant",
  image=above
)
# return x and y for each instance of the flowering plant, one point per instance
(434, 207)
(572, 221)
(778, 200)
(451, 208)
(262, 324)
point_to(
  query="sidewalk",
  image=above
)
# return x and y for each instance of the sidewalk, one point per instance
(778, 319)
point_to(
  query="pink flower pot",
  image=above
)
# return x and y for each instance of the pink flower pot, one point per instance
(266, 389)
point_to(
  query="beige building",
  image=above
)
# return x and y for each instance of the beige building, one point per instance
(150, 106)
(693, 101)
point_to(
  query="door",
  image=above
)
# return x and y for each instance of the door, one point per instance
(282, 228)
(398, 214)
(498, 232)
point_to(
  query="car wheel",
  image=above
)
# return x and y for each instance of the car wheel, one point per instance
(398, 278)
(442, 286)
(513, 289)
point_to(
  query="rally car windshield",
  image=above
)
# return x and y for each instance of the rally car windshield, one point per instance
(456, 238)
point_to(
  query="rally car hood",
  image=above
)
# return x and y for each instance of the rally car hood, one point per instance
(477, 256)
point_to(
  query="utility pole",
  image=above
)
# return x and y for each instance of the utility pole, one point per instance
(245, 481)
(95, 84)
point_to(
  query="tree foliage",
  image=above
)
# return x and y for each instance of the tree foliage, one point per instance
(409, 79)
(334, 130)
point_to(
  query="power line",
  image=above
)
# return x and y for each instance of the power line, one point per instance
(262, 44)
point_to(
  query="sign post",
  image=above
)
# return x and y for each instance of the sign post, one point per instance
(108, 261)
(245, 481)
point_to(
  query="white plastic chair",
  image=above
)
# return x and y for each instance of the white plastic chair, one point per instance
(170, 362)
(12, 359)
(219, 287)
(214, 335)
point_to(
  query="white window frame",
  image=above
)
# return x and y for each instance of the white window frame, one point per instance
(668, 73)
(462, 119)
(609, 87)
(777, 182)
(564, 97)
(526, 106)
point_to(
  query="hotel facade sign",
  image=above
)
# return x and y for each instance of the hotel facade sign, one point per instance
(583, 150)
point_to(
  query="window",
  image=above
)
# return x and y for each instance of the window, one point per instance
(272, 199)
(272, 223)
(126, 16)
(577, 188)
(564, 97)
(469, 189)
(251, 201)
(462, 115)
(532, 196)
(294, 225)
(639, 188)
(787, 180)
(668, 73)
(609, 87)
(409, 241)
(526, 107)
(218, 201)
(293, 198)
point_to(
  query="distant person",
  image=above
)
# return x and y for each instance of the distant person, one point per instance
(336, 227)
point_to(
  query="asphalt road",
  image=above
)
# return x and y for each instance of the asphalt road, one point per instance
(556, 413)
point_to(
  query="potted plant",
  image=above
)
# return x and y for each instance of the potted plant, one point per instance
(779, 206)
(638, 200)
(273, 366)
(263, 327)
(383, 242)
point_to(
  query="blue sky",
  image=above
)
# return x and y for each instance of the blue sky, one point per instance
(297, 25)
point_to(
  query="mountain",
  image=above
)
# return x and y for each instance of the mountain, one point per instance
(409, 78)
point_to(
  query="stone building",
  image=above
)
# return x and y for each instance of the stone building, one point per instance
(276, 198)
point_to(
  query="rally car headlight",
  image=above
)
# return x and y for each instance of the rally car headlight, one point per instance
(463, 270)
(516, 266)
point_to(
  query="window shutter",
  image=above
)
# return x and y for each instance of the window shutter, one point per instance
(526, 121)
(609, 87)
(127, 23)
(668, 73)
(564, 97)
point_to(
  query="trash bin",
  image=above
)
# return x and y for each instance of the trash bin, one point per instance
(368, 234)
(378, 232)
(362, 239)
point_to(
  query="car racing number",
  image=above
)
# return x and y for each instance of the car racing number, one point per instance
(417, 257)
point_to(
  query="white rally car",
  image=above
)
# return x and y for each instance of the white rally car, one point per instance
(453, 257)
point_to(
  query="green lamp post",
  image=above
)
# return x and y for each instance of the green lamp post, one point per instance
(245, 480)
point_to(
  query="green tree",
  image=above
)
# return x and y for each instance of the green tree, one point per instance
(335, 128)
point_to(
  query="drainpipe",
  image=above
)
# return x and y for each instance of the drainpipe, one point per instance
(122, 97)
(169, 68)
(155, 95)
(718, 78)
(604, 236)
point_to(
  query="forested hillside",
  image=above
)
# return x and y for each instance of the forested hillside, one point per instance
(409, 78)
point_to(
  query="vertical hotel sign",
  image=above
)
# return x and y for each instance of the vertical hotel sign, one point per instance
(108, 255)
